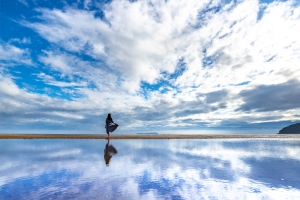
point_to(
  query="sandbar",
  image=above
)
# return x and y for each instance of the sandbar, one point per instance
(146, 136)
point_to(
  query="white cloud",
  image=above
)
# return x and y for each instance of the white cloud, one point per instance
(51, 81)
(87, 3)
(23, 2)
(185, 51)
(8, 87)
(143, 40)
(11, 55)
(20, 41)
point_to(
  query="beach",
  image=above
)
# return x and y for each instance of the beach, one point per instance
(146, 136)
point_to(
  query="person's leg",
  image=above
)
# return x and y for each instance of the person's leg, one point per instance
(107, 132)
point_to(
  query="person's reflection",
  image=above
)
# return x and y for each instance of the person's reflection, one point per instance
(109, 151)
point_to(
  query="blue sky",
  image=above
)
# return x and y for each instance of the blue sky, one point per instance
(155, 65)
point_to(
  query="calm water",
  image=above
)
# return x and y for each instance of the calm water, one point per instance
(150, 169)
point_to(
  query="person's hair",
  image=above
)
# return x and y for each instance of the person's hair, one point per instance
(109, 116)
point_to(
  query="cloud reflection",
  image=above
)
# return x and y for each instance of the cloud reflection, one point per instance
(150, 169)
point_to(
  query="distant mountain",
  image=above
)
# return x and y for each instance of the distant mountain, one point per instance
(150, 133)
(292, 129)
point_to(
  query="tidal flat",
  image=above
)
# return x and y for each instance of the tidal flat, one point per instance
(145, 136)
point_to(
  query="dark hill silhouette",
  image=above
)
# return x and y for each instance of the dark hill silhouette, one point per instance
(292, 129)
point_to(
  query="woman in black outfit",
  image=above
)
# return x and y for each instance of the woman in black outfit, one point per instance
(110, 125)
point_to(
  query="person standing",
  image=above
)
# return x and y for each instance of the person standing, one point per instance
(110, 125)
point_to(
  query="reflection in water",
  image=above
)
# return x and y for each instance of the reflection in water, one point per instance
(109, 151)
(150, 169)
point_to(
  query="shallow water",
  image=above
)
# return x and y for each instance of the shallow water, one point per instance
(150, 169)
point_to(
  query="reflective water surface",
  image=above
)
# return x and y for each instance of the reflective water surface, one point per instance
(150, 169)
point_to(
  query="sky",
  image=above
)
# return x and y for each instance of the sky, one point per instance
(158, 66)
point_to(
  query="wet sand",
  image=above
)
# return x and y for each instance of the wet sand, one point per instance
(144, 136)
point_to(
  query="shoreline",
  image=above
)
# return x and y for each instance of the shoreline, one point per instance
(146, 136)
